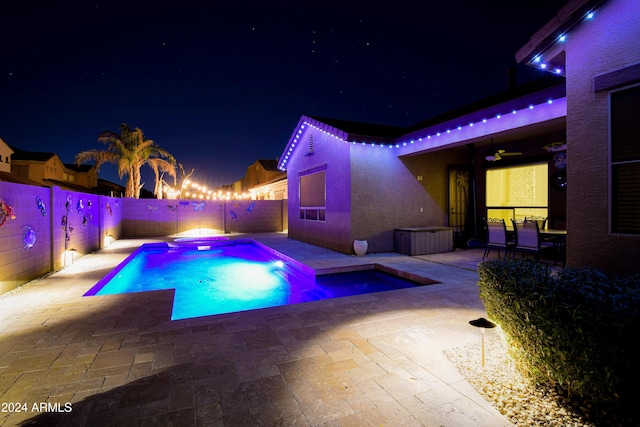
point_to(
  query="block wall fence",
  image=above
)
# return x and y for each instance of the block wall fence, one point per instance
(52, 226)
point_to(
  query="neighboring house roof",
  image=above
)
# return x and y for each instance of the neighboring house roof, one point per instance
(78, 168)
(545, 49)
(110, 184)
(66, 185)
(6, 145)
(104, 187)
(19, 154)
(269, 165)
(8, 177)
(110, 188)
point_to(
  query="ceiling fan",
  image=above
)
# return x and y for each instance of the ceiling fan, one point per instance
(499, 154)
(556, 146)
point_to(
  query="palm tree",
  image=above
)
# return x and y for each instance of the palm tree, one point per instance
(129, 150)
(160, 167)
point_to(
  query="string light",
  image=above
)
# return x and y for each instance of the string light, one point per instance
(398, 144)
(195, 190)
(536, 60)
(562, 38)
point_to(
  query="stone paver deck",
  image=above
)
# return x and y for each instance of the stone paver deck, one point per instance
(373, 359)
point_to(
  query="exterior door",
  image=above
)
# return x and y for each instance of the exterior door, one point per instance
(458, 202)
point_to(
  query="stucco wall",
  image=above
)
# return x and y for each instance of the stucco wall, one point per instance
(608, 43)
(369, 192)
(332, 155)
(434, 170)
(20, 264)
(111, 215)
(76, 226)
(386, 194)
(70, 229)
(155, 218)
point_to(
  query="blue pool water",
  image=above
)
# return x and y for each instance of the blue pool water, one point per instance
(215, 277)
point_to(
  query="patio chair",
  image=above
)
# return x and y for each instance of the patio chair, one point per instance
(542, 224)
(542, 221)
(528, 239)
(497, 237)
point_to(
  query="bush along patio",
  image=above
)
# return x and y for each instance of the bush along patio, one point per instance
(575, 331)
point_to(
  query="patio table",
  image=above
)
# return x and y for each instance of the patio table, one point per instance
(553, 232)
(559, 239)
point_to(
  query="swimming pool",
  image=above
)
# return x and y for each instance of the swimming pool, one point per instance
(224, 276)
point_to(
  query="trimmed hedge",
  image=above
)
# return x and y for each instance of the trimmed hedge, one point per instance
(577, 331)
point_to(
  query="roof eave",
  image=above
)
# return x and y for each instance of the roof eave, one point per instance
(545, 48)
(297, 133)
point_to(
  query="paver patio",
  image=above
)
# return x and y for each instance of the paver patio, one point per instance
(373, 359)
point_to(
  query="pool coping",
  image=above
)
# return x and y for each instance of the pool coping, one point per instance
(378, 267)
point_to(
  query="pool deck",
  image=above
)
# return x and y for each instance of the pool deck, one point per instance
(375, 359)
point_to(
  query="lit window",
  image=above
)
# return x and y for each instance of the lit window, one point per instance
(518, 192)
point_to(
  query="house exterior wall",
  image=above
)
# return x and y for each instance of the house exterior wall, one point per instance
(386, 194)
(256, 175)
(434, 170)
(5, 157)
(276, 190)
(25, 169)
(53, 169)
(370, 191)
(87, 179)
(608, 43)
(333, 155)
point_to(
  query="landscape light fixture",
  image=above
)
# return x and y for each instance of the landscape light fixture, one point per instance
(483, 324)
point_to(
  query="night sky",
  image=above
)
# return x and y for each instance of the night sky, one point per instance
(220, 85)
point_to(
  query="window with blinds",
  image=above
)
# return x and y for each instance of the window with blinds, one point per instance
(313, 196)
(625, 160)
(518, 192)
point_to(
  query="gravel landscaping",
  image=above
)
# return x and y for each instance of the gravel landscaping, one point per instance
(524, 403)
